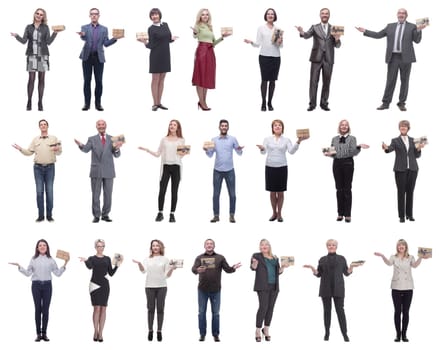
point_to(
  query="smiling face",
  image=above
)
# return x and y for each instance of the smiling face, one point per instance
(39, 16)
(155, 248)
(265, 248)
(270, 16)
(402, 14)
(101, 126)
(43, 125)
(42, 248)
(344, 127)
(325, 15)
(99, 246)
(277, 128)
(223, 127)
(155, 17)
(204, 16)
(209, 246)
(332, 245)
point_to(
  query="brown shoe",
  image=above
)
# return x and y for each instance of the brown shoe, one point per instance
(232, 218)
(215, 218)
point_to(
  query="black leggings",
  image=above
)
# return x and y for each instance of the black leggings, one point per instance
(266, 301)
(402, 302)
(173, 172)
(155, 302)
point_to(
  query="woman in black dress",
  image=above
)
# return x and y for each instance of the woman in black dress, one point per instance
(99, 286)
(158, 41)
(38, 38)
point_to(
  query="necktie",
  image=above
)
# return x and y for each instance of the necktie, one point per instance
(399, 37)
(103, 139)
(342, 139)
(324, 27)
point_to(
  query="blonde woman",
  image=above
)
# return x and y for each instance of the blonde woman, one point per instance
(267, 269)
(157, 268)
(204, 63)
(402, 286)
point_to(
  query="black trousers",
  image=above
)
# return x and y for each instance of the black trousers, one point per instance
(402, 302)
(315, 69)
(42, 294)
(92, 65)
(395, 66)
(343, 169)
(405, 182)
(339, 306)
(173, 172)
(155, 302)
(266, 304)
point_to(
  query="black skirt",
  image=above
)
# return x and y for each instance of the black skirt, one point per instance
(276, 179)
(269, 67)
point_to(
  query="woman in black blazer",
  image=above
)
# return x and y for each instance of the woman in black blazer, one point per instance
(267, 269)
(38, 38)
(405, 168)
(331, 269)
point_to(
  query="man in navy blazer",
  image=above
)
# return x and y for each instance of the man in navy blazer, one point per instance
(322, 57)
(102, 169)
(399, 55)
(95, 37)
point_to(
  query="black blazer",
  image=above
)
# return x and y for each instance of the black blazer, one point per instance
(332, 283)
(46, 38)
(402, 155)
(261, 274)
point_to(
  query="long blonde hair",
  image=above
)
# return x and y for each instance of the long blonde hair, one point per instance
(44, 19)
(199, 21)
(265, 241)
(405, 244)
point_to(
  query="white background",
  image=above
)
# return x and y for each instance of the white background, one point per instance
(310, 204)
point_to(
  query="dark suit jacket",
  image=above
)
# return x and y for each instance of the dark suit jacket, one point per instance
(102, 165)
(103, 40)
(261, 274)
(402, 155)
(332, 283)
(409, 35)
(46, 38)
(322, 44)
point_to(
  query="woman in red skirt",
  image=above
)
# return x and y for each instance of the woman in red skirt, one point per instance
(204, 62)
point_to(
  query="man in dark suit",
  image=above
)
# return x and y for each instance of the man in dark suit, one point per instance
(102, 169)
(405, 168)
(322, 57)
(95, 36)
(331, 269)
(399, 55)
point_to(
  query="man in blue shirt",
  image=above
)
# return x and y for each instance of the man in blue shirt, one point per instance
(222, 146)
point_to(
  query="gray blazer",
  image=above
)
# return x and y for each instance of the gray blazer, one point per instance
(410, 35)
(404, 159)
(261, 273)
(45, 37)
(102, 165)
(103, 40)
(332, 279)
(322, 44)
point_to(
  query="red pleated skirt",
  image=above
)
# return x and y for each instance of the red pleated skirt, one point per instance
(204, 66)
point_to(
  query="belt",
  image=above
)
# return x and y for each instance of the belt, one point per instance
(42, 282)
(44, 165)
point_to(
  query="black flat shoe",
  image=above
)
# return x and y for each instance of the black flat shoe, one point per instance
(99, 108)
(216, 338)
(269, 107)
(85, 108)
(172, 218)
(150, 335)
(100, 340)
(263, 108)
(29, 108)
(280, 219)
(95, 220)
(159, 217)
(44, 337)
(161, 106)
(159, 336)
(339, 218)
(106, 218)
(273, 218)
(402, 220)
(38, 338)
(155, 108)
(202, 338)
(346, 338)
(405, 339)
(326, 336)
(310, 109)
(410, 218)
(347, 219)
(40, 106)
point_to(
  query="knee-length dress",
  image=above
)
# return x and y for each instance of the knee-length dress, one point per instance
(99, 286)
(159, 39)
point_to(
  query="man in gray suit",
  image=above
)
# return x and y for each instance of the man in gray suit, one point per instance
(322, 57)
(399, 55)
(102, 169)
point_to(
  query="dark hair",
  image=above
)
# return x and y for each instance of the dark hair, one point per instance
(274, 14)
(209, 239)
(222, 121)
(325, 8)
(154, 11)
(37, 253)
(43, 120)
(94, 8)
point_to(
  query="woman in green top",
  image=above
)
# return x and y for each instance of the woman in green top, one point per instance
(204, 62)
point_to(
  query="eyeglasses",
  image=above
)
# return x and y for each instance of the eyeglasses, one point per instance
(94, 14)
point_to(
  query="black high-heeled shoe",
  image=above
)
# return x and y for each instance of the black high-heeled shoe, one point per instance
(40, 105)
(270, 107)
(29, 105)
(266, 337)
(199, 105)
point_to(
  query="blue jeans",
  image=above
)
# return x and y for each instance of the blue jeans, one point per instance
(44, 177)
(214, 299)
(42, 293)
(218, 177)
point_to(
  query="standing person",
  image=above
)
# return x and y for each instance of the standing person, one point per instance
(45, 148)
(402, 286)
(41, 268)
(158, 268)
(102, 169)
(209, 266)
(331, 269)
(99, 288)
(322, 58)
(95, 37)
(405, 169)
(38, 38)
(171, 166)
(346, 148)
(399, 55)
(267, 269)
(276, 147)
(270, 39)
(204, 62)
(224, 144)
(158, 41)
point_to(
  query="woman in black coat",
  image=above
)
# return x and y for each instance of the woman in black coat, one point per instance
(38, 38)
